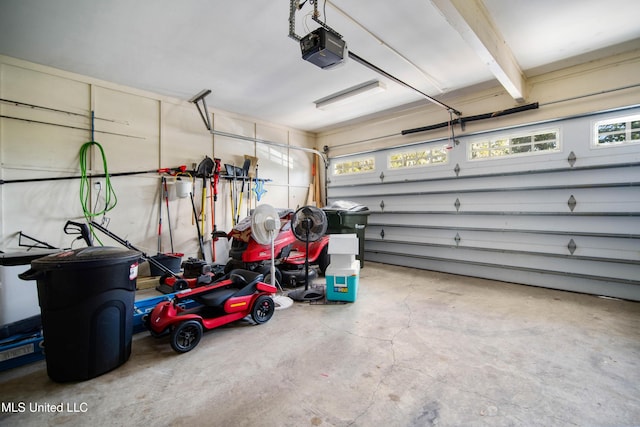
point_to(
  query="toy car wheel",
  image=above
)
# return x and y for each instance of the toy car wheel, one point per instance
(186, 335)
(263, 309)
(180, 285)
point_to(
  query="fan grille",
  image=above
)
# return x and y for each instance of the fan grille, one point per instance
(309, 223)
(263, 223)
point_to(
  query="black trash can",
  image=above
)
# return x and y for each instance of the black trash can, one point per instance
(345, 217)
(86, 299)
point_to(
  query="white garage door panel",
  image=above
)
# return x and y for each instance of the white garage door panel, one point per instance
(614, 248)
(534, 219)
(627, 226)
(595, 199)
(429, 236)
(619, 272)
(567, 179)
(625, 199)
(535, 278)
(579, 247)
(400, 203)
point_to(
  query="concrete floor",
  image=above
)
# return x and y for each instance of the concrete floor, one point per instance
(417, 348)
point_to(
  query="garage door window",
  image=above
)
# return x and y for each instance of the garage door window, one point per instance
(354, 166)
(421, 157)
(515, 145)
(621, 130)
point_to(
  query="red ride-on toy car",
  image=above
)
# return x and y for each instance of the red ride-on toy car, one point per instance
(241, 294)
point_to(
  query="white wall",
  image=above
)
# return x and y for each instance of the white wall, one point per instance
(139, 131)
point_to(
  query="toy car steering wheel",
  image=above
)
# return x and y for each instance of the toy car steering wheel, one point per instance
(238, 279)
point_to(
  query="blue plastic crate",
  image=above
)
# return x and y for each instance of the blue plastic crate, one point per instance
(21, 349)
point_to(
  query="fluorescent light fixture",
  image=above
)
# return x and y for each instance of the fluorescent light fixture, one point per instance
(350, 95)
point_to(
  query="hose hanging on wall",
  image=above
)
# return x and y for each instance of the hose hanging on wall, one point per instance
(109, 196)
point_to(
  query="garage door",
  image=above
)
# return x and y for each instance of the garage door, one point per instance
(554, 205)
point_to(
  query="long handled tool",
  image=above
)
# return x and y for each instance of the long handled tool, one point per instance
(234, 207)
(215, 234)
(166, 200)
(232, 203)
(244, 176)
(160, 220)
(164, 194)
(205, 171)
(203, 205)
(195, 213)
(250, 173)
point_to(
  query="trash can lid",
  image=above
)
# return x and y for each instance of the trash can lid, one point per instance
(346, 206)
(89, 257)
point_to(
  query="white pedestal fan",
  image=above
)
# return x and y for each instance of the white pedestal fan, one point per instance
(265, 223)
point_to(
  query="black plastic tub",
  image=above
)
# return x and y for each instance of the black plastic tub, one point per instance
(171, 262)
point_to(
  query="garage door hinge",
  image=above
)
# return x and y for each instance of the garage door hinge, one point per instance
(572, 246)
(572, 203)
(457, 204)
(457, 239)
(381, 176)
(572, 158)
(382, 233)
(382, 205)
(457, 169)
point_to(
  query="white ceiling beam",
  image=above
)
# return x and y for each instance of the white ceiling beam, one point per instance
(471, 19)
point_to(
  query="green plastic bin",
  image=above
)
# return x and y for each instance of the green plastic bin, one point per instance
(346, 217)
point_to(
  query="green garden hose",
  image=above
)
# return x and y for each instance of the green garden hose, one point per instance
(110, 196)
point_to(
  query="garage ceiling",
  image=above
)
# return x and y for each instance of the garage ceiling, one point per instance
(242, 52)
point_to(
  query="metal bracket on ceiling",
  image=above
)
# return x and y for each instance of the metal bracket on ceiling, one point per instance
(204, 111)
(463, 123)
(294, 6)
